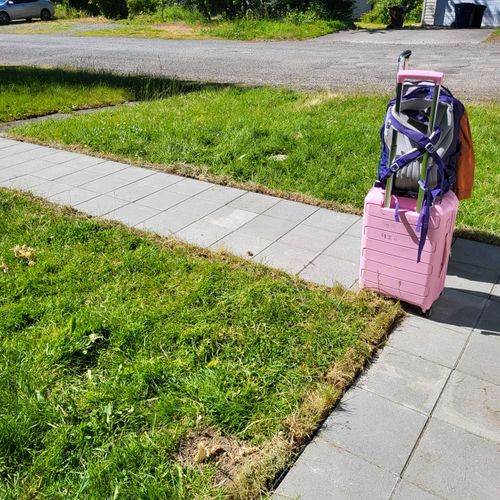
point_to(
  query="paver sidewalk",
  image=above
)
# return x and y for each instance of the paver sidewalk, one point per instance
(423, 421)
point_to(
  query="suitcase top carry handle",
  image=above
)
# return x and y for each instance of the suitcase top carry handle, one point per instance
(413, 74)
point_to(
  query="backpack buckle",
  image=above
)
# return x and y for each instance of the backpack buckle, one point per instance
(429, 147)
(394, 167)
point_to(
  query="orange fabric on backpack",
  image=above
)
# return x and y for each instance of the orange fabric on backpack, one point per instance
(465, 161)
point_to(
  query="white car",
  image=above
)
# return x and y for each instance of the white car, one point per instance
(25, 9)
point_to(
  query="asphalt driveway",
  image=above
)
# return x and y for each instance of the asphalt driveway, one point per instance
(353, 60)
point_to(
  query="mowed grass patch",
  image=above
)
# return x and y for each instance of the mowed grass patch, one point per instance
(28, 92)
(241, 29)
(121, 351)
(321, 145)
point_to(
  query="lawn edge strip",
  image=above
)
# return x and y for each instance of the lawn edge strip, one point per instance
(201, 173)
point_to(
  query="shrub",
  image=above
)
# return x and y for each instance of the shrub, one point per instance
(136, 7)
(114, 9)
(74, 8)
(257, 9)
(380, 10)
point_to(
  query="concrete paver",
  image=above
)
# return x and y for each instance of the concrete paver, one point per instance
(429, 340)
(48, 189)
(309, 238)
(238, 243)
(254, 202)
(73, 196)
(109, 183)
(101, 205)
(423, 420)
(229, 217)
(220, 194)
(408, 491)
(374, 428)
(475, 253)
(189, 187)
(405, 379)
(330, 271)
(105, 167)
(23, 182)
(162, 199)
(132, 214)
(202, 233)
(291, 210)
(54, 172)
(285, 257)
(135, 191)
(327, 471)
(345, 248)
(161, 180)
(166, 223)
(56, 156)
(332, 221)
(471, 278)
(81, 177)
(481, 357)
(489, 322)
(267, 227)
(458, 309)
(472, 404)
(455, 464)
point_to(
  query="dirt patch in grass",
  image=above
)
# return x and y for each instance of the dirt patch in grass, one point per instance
(319, 98)
(177, 27)
(226, 453)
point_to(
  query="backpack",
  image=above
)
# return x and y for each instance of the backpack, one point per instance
(451, 154)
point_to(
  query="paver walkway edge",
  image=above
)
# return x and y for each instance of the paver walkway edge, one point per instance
(422, 421)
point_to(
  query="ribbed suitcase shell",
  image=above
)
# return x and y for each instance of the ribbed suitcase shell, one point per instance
(389, 249)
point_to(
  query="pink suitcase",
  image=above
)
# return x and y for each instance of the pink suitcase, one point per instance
(389, 249)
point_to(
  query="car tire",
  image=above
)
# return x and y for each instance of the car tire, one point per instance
(4, 18)
(45, 15)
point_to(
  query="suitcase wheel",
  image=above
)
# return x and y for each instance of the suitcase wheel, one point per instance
(427, 314)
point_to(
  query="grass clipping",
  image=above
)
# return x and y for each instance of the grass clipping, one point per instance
(244, 472)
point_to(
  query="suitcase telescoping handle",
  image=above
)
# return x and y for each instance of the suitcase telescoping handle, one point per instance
(403, 61)
(437, 78)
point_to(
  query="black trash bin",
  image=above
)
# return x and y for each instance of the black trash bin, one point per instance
(477, 17)
(468, 15)
(397, 16)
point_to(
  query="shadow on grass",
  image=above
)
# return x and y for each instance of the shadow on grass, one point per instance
(141, 87)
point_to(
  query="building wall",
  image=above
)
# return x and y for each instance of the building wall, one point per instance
(444, 12)
(429, 12)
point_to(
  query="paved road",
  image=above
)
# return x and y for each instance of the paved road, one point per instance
(358, 61)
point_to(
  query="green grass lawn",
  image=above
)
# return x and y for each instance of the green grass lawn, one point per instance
(495, 36)
(124, 355)
(319, 146)
(27, 92)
